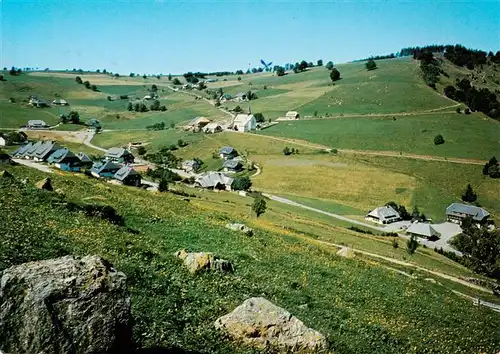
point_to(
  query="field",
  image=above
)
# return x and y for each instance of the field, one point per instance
(466, 136)
(351, 301)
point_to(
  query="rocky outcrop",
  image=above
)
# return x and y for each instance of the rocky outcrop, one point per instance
(346, 252)
(262, 325)
(198, 261)
(240, 228)
(45, 184)
(64, 305)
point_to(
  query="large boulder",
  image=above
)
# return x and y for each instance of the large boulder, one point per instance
(64, 305)
(241, 228)
(262, 325)
(198, 261)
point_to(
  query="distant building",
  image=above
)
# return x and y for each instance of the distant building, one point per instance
(128, 176)
(119, 155)
(104, 169)
(421, 229)
(3, 140)
(36, 124)
(244, 123)
(21, 151)
(232, 166)
(60, 102)
(214, 180)
(457, 212)
(290, 115)
(190, 165)
(227, 152)
(383, 215)
(197, 124)
(65, 160)
(212, 128)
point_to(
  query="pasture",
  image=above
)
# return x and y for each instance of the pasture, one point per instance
(466, 136)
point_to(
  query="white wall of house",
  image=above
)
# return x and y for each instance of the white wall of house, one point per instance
(250, 124)
(2, 142)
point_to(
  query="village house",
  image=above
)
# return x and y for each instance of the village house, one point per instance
(21, 151)
(212, 128)
(383, 215)
(85, 160)
(244, 123)
(128, 176)
(43, 152)
(197, 124)
(421, 229)
(32, 148)
(103, 169)
(457, 212)
(214, 180)
(60, 102)
(36, 124)
(65, 160)
(232, 166)
(225, 97)
(227, 152)
(3, 139)
(240, 97)
(119, 155)
(190, 165)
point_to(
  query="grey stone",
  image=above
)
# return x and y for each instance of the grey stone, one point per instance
(260, 324)
(64, 305)
(45, 184)
(198, 261)
(241, 228)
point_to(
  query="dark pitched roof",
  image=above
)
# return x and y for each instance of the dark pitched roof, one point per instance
(100, 166)
(62, 155)
(125, 172)
(459, 209)
(227, 150)
(33, 148)
(47, 148)
(231, 164)
(117, 152)
(22, 150)
(83, 157)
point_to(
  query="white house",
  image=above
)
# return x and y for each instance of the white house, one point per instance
(36, 124)
(3, 142)
(244, 122)
(383, 215)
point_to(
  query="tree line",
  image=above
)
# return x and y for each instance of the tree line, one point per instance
(482, 100)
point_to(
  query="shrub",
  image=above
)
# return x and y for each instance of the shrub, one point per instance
(459, 110)
(78, 80)
(412, 245)
(438, 139)
(467, 110)
(395, 243)
(141, 150)
(163, 186)
(334, 75)
(241, 184)
(370, 65)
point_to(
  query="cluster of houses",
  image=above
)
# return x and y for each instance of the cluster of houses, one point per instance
(455, 213)
(115, 165)
(39, 103)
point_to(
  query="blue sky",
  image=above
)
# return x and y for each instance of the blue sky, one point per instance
(164, 36)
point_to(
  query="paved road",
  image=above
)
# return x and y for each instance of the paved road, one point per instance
(33, 164)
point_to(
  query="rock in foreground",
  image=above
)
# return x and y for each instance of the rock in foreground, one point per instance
(262, 325)
(64, 305)
(198, 261)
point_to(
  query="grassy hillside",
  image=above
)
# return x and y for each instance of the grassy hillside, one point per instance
(358, 92)
(468, 136)
(361, 307)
